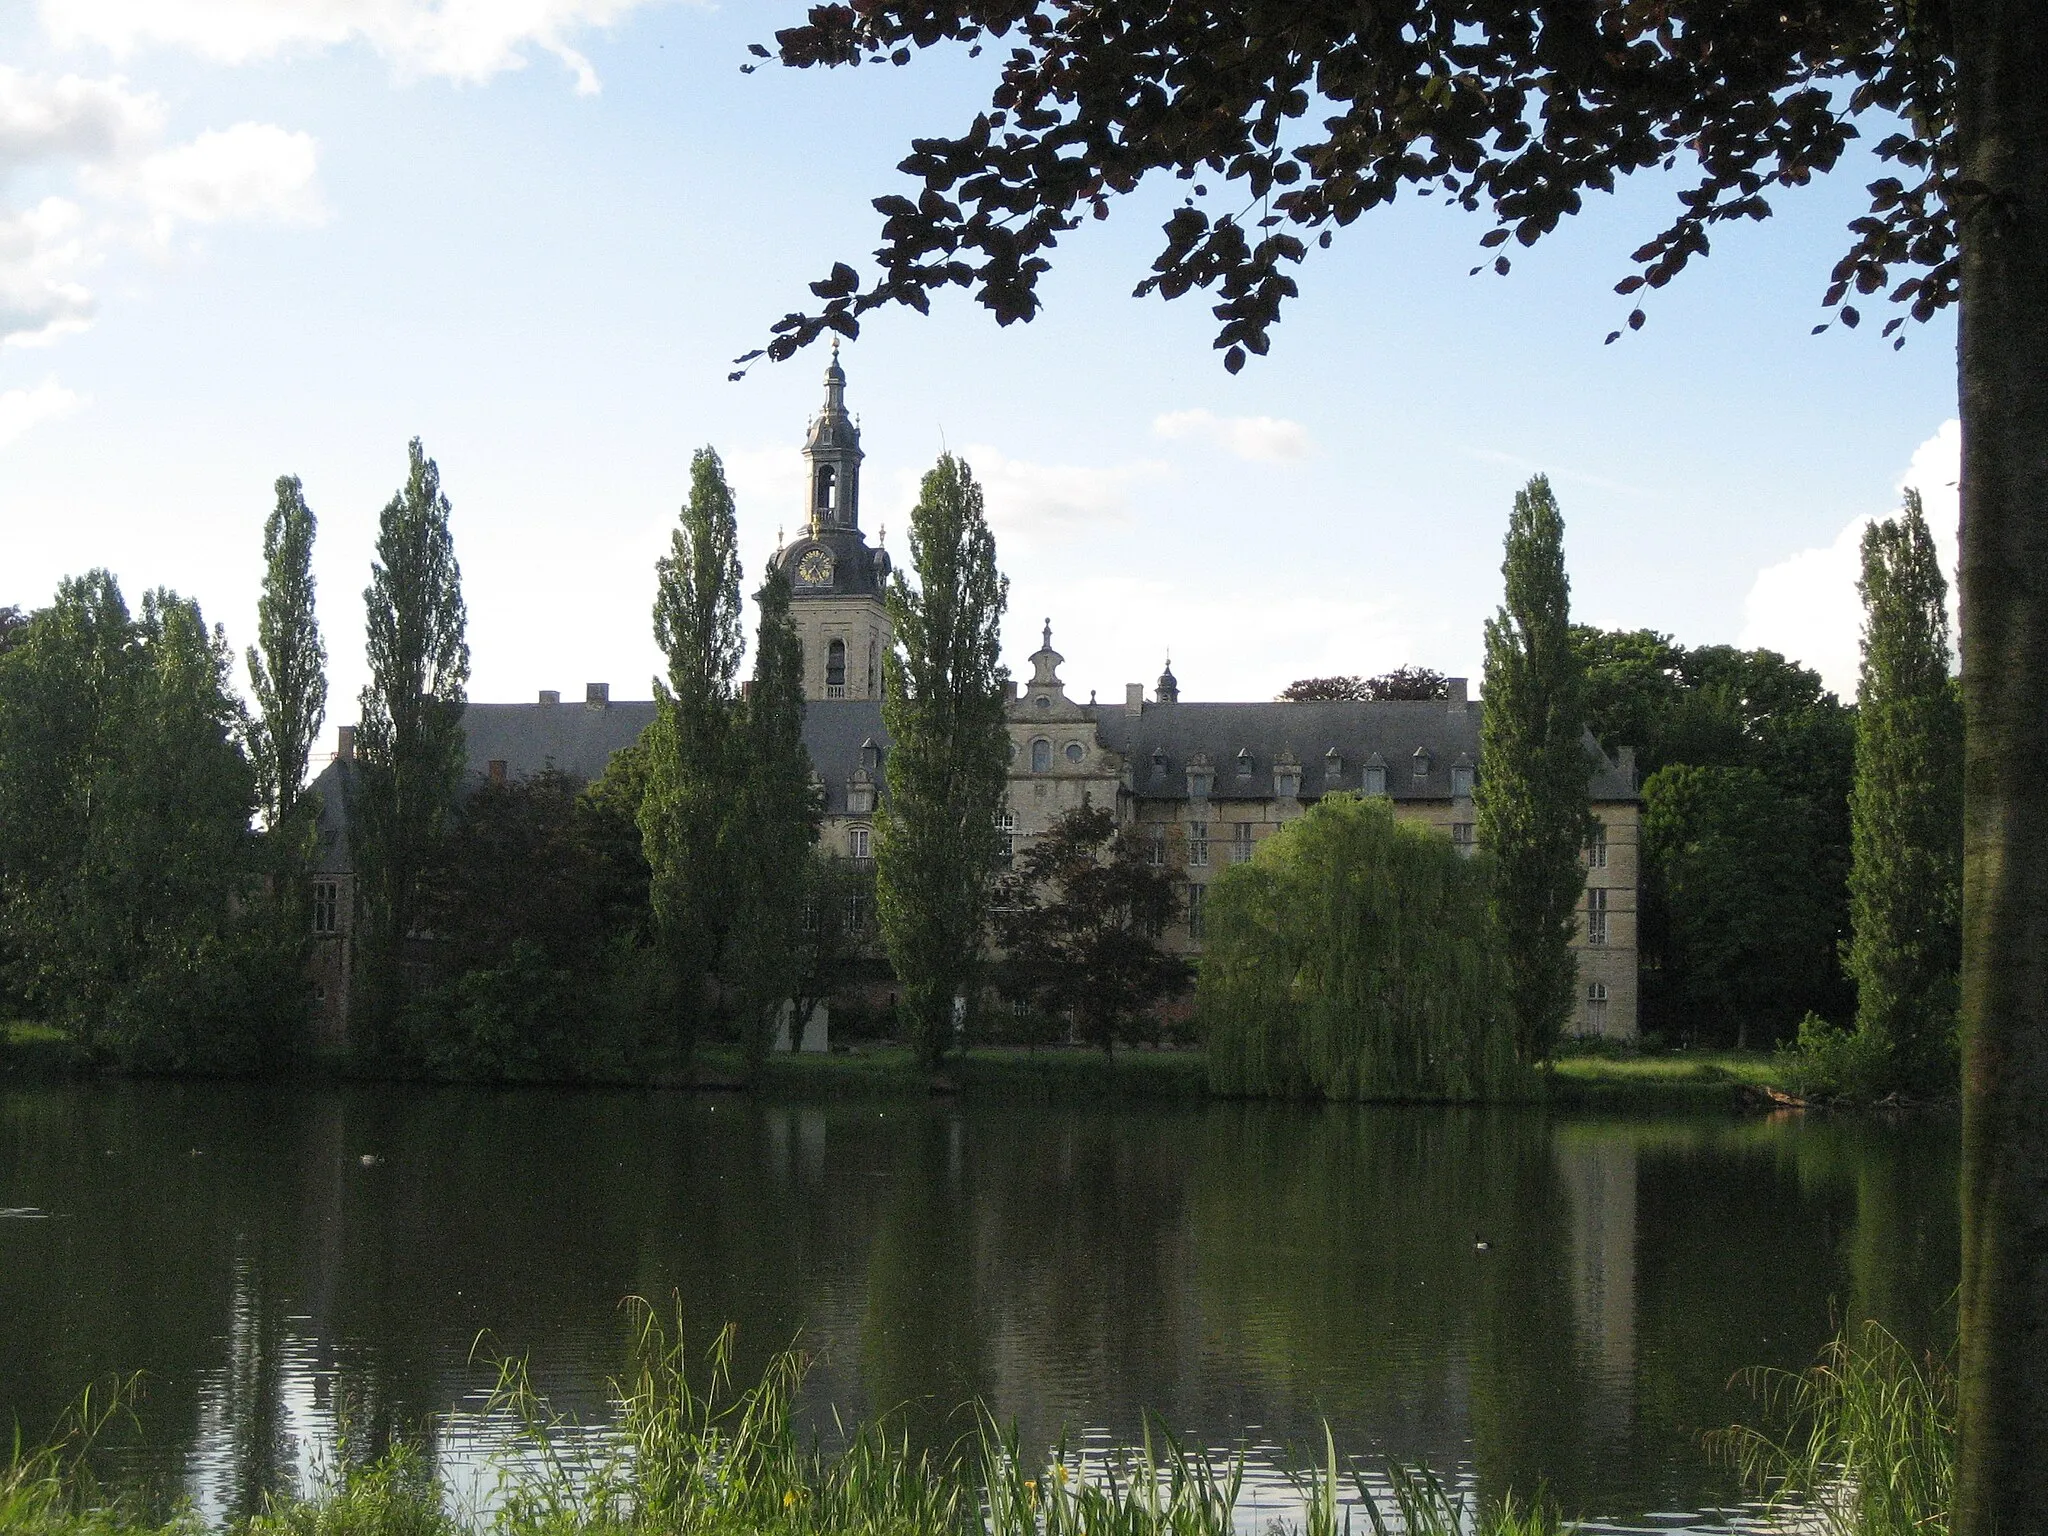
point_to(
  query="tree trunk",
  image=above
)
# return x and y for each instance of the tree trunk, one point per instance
(2001, 48)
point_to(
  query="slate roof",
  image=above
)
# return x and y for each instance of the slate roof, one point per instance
(579, 741)
(1393, 729)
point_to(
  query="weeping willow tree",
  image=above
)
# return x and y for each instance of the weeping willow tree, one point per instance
(1349, 960)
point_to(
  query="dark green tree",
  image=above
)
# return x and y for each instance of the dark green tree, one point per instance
(1322, 690)
(1717, 707)
(1409, 682)
(1729, 851)
(409, 744)
(129, 890)
(13, 625)
(776, 826)
(1323, 110)
(1084, 912)
(836, 937)
(530, 896)
(1534, 817)
(1905, 885)
(288, 665)
(686, 808)
(942, 701)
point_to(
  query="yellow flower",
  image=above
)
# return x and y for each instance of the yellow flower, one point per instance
(788, 1497)
(1060, 1472)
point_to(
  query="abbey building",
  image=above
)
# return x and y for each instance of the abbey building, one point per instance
(1204, 783)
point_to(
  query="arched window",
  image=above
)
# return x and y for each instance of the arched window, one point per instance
(827, 487)
(874, 668)
(1041, 756)
(835, 670)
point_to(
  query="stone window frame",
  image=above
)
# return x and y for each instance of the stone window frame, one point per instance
(859, 844)
(1241, 842)
(1596, 846)
(326, 906)
(1041, 754)
(1198, 844)
(1596, 916)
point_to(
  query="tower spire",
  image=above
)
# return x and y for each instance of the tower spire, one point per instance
(833, 451)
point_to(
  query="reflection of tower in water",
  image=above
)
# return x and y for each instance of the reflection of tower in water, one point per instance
(1599, 1171)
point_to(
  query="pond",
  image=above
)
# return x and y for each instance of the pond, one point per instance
(1508, 1295)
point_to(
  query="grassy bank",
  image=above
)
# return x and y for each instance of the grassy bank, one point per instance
(1679, 1080)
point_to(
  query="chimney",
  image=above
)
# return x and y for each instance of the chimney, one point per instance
(497, 770)
(1134, 698)
(345, 744)
(551, 695)
(1625, 759)
(1456, 692)
(597, 695)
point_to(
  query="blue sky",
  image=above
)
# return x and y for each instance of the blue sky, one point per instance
(240, 238)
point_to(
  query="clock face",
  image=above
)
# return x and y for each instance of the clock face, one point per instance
(815, 569)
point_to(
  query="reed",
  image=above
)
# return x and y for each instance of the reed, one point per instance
(688, 1454)
(1860, 1443)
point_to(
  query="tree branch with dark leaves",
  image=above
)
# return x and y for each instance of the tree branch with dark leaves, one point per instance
(1304, 115)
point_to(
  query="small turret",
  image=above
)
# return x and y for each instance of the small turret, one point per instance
(1168, 691)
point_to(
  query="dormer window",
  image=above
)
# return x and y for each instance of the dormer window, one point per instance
(870, 755)
(1461, 781)
(1041, 756)
(1201, 779)
(1159, 762)
(1420, 763)
(1244, 762)
(1333, 768)
(1375, 776)
(1287, 782)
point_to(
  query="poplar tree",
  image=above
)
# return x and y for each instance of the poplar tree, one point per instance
(777, 825)
(409, 744)
(1906, 812)
(288, 673)
(1532, 796)
(685, 812)
(942, 701)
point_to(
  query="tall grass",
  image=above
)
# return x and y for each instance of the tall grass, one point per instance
(690, 1455)
(1861, 1443)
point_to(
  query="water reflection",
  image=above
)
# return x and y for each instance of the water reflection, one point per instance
(1509, 1295)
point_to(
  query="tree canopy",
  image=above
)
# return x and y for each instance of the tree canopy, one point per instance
(1291, 118)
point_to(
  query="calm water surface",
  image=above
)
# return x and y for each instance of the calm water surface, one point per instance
(269, 1256)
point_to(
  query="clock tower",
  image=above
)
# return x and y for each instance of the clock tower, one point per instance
(836, 581)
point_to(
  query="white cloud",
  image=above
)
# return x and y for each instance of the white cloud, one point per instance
(1270, 439)
(22, 409)
(131, 189)
(44, 253)
(1032, 505)
(1806, 606)
(66, 117)
(252, 171)
(466, 40)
